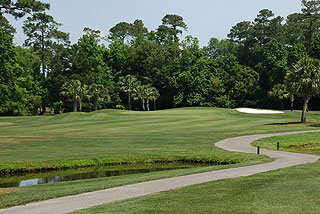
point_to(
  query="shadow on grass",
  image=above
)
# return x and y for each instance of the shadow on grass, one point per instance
(315, 125)
(293, 123)
(284, 124)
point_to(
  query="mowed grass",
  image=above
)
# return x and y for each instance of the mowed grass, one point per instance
(306, 143)
(112, 136)
(292, 190)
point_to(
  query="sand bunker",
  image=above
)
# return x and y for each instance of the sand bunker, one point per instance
(258, 111)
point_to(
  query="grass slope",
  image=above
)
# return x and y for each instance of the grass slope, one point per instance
(112, 136)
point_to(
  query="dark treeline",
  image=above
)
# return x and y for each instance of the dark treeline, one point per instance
(143, 69)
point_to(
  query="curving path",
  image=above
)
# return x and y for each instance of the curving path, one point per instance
(238, 144)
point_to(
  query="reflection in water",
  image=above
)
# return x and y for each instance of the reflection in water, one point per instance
(19, 182)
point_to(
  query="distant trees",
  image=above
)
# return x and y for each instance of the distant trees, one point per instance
(256, 63)
(130, 85)
(43, 34)
(19, 87)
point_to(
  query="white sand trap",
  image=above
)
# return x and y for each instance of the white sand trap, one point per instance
(258, 111)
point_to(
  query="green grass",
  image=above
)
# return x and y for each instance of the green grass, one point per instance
(291, 190)
(307, 143)
(113, 136)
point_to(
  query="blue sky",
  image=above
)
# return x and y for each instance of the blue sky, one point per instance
(205, 18)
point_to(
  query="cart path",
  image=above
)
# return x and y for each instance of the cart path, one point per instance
(238, 144)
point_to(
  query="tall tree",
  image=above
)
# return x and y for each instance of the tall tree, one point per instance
(97, 34)
(120, 31)
(43, 34)
(311, 15)
(171, 24)
(18, 9)
(138, 29)
(305, 79)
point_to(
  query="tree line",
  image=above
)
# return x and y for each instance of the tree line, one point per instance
(269, 62)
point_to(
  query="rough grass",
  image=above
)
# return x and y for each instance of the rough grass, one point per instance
(6, 191)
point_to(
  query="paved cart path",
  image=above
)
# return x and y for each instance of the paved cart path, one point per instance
(238, 144)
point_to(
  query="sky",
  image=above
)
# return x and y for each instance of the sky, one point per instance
(205, 18)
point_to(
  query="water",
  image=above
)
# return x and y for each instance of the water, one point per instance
(87, 173)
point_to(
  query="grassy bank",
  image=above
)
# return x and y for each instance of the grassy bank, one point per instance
(113, 137)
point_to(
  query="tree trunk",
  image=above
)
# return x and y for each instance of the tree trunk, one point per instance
(154, 105)
(95, 104)
(75, 104)
(143, 106)
(129, 101)
(304, 110)
(80, 105)
(148, 107)
(291, 101)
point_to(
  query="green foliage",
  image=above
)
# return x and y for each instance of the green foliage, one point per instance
(278, 92)
(124, 30)
(18, 85)
(238, 71)
(19, 8)
(170, 25)
(128, 84)
(43, 35)
(305, 80)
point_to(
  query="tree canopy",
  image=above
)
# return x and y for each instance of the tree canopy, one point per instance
(261, 62)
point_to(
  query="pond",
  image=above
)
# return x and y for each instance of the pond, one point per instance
(31, 179)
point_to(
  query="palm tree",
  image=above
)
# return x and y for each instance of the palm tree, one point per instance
(127, 85)
(279, 92)
(72, 88)
(82, 94)
(151, 94)
(98, 92)
(290, 91)
(140, 94)
(145, 93)
(305, 80)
